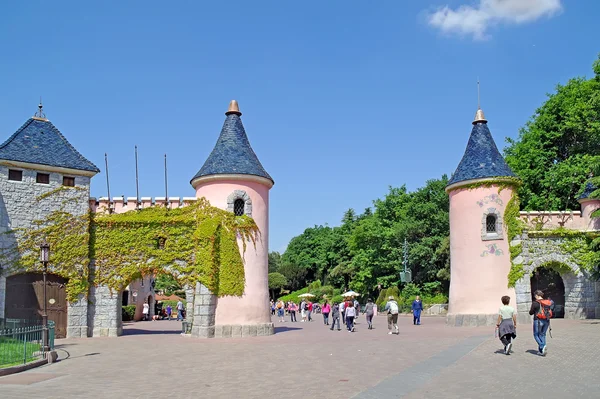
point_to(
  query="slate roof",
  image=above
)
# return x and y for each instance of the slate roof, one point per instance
(40, 142)
(482, 158)
(587, 191)
(232, 153)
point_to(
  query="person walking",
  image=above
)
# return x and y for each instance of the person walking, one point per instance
(145, 310)
(280, 310)
(179, 310)
(335, 316)
(350, 315)
(416, 309)
(303, 311)
(507, 324)
(541, 310)
(392, 316)
(326, 310)
(370, 312)
(293, 308)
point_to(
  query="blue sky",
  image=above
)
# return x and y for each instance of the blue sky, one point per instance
(340, 99)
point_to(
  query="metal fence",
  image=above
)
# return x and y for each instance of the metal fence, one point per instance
(21, 341)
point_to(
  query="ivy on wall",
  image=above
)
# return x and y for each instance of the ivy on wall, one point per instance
(196, 243)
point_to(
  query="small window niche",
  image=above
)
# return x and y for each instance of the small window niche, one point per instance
(42, 178)
(239, 203)
(68, 181)
(15, 175)
(491, 228)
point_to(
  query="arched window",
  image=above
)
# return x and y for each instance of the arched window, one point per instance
(239, 203)
(238, 207)
(490, 224)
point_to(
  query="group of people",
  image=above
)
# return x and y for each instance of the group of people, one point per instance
(346, 312)
(161, 313)
(542, 311)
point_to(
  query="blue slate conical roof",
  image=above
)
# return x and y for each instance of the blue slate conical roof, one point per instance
(232, 153)
(482, 158)
(587, 191)
(38, 141)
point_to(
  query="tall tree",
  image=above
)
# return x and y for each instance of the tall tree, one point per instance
(556, 148)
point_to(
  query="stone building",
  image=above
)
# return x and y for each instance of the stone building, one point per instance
(40, 172)
(481, 255)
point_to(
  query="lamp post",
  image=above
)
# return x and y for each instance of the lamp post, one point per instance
(44, 257)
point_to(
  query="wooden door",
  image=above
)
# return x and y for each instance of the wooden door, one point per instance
(25, 299)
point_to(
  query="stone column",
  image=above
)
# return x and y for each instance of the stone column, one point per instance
(104, 312)
(205, 304)
(77, 318)
(189, 306)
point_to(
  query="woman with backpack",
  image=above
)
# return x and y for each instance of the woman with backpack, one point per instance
(542, 311)
(392, 317)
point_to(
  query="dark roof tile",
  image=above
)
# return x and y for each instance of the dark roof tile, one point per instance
(481, 159)
(40, 142)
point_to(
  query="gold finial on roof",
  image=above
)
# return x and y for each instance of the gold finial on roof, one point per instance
(40, 115)
(479, 116)
(233, 108)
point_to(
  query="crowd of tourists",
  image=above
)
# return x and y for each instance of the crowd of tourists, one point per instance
(343, 313)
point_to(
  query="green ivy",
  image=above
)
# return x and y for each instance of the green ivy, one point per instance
(196, 243)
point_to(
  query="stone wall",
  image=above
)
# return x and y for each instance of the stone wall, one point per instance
(582, 293)
(104, 312)
(22, 202)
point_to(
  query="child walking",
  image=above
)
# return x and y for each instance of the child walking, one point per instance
(507, 324)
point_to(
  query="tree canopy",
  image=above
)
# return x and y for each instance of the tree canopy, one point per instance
(556, 149)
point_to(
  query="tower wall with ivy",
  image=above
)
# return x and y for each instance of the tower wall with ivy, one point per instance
(26, 202)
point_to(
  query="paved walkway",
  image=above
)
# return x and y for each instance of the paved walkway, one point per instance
(306, 360)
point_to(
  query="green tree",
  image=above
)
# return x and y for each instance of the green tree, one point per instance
(167, 284)
(556, 148)
(277, 282)
(274, 261)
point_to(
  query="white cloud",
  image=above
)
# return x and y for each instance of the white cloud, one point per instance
(475, 20)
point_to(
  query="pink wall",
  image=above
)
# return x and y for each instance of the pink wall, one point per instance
(253, 306)
(477, 282)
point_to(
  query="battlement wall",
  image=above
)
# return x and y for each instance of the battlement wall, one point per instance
(126, 204)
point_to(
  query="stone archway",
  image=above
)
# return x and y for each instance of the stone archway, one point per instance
(549, 281)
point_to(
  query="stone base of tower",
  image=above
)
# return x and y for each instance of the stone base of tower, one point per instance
(471, 320)
(244, 330)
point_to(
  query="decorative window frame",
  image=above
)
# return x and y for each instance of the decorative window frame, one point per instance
(240, 194)
(485, 236)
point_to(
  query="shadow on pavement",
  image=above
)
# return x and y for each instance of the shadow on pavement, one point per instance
(285, 329)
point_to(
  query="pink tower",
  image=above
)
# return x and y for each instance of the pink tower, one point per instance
(233, 178)
(479, 247)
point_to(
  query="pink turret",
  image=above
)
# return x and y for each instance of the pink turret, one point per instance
(233, 178)
(479, 247)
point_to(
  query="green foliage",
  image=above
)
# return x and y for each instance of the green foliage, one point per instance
(274, 261)
(277, 281)
(128, 312)
(556, 148)
(193, 243)
(167, 284)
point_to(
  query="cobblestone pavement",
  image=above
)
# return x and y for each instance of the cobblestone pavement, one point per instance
(305, 360)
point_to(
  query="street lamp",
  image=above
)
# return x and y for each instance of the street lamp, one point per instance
(44, 257)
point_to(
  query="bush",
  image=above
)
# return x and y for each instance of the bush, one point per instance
(128, 312)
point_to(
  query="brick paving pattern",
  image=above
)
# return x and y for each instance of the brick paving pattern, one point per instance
(306, 360)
